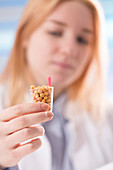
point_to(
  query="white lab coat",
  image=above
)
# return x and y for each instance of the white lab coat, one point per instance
(88, 149)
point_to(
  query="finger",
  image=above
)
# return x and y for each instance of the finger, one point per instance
(21, 109)
(2, 129)
(26, 121)
(23, 135)
(24, 150)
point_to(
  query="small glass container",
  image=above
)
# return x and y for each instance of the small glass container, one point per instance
(43, 94)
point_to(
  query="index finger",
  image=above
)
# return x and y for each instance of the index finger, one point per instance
(21, 109)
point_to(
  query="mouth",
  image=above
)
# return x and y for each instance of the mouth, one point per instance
(63, 65)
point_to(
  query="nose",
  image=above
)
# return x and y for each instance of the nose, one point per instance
(68, 47)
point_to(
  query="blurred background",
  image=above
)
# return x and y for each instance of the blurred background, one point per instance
(10, 12)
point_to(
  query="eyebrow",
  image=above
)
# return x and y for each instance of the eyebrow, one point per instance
(85, 30)
(57, 22)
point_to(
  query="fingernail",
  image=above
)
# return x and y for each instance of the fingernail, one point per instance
(49, 115)
(44, 106)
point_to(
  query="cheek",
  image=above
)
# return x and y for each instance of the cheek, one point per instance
(85, 55)
(83, 59)
(40, 51)
(40, 48)
(36, 53)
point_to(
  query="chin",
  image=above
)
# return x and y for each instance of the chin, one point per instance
(60, 83)
(58, 79)
(62, 80)
(66, 83)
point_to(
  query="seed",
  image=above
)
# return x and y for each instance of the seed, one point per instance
(42, 95)
(40, 98)
(34, 100)
(32, 87)
(43, 100)
(46, 93)
(45, 97)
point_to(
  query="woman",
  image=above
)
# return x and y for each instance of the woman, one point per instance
(62, 39)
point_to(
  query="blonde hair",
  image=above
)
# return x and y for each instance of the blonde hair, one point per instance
(17, 75)
(90, 87)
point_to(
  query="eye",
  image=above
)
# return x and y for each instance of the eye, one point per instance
(82, 40)
(55, 33)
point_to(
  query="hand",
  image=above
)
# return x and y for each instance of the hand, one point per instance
(16, 127)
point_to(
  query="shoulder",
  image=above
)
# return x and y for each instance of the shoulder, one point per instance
(1, 88)
(82, 118)
(109, 113)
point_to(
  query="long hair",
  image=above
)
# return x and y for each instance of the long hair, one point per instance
(88, 89)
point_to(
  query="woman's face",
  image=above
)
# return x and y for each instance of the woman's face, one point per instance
(62, 46)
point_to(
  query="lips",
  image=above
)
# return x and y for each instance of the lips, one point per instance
(62, 65)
